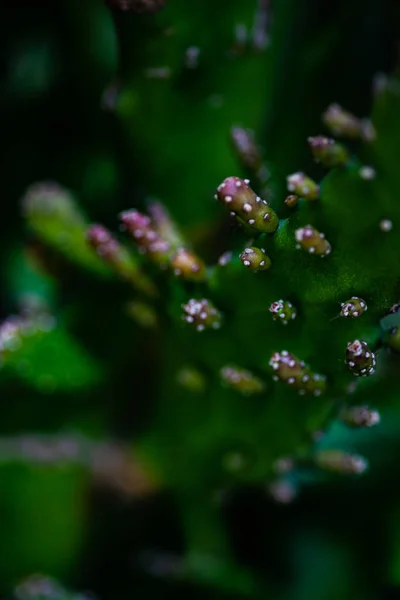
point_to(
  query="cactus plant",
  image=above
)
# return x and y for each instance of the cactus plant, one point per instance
(220, 246)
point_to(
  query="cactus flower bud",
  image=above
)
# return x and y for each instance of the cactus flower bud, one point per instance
(187, 265)
(283, 311)
(327, 151)
(359, 416)
(342, 122)
(202, 314)
(239, 198)
(353, 308)
(341, 462)
(360, 359)
(139, 6)
(149, 242)
(291, 201)
(255, 259)
(241, 380)
(289, 369)
(312, 241)
(303, 186)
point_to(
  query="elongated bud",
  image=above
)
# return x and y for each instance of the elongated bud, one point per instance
(360, 359)
(114, 254)
(291, 201)
(246, 148)
(240, 199)
(202, 314)
(327, 151)
(341, 462)
(191, 379)
(303, 186)
(255, 259)
(241, 380)
(283, 311)
(164, 225)
(353, 308)
(149, 242)
(359, 416)
(187, 265)
(143, 314)
(139, 6)
(312, 241)
(344, 124)
(289, 369)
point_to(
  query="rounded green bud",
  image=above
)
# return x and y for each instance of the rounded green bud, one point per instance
(188, 266)
(255, 259)
(303, 186)
(360, 359)
(294, 372)
(202, 314)
(353, 308)
(312, 241)
(283, 311)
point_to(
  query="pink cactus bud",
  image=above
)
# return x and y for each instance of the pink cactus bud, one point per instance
(283, 311)
(353, 308)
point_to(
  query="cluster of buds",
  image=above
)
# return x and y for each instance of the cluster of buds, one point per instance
(359, 416)
(241, 200)
(360, 359)
(187, 265)
(283, 311)
(255, 259)
(202, 314)
(353, 308)
(345, 124)
(138, 6)
(302, 185)
(338, 461)
(312, 241)
(289, 369)
(327, 151)
(241, 380)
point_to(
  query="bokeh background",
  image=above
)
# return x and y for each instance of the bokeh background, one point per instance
(80, 107)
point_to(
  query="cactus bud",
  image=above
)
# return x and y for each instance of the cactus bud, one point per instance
(245, 145)
(303, 186)
(312, 241)
(327, 151)
(191, 379)
(241, 380)
(341, 462)
(296, 373)
(291, 201)
(225, 259)
(202, 314)
(353, 308)
(113, 253)
(139, 6)
(283, 311)
(360, 359)
(342, 122)
(187, 265)
(255, 259)
(240, 199)
(359, 416)
(146, 237)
